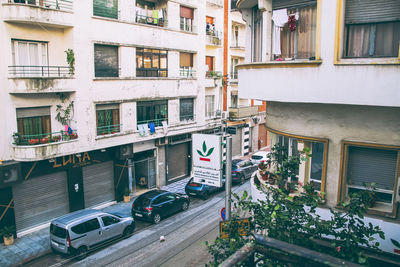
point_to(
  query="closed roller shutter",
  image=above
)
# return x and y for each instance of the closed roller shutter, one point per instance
(98, 183)
(178, 161)
(279, 4)
(237, 143)
(370, 11)
(39, 200)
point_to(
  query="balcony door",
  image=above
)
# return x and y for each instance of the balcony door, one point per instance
(30, 59)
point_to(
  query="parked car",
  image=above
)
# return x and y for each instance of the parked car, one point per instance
(201, 190)
(80, 231)
(242, 169)
(157, 204)
(259, 156)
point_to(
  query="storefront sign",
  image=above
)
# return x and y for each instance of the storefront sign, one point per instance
(72, 160)
(207, 176)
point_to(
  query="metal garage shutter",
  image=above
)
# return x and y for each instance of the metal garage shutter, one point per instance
(370, 11)
(278, 4)
(367, 165)
(98, 183)
(39, 200)
(178, 161)
(237, 143)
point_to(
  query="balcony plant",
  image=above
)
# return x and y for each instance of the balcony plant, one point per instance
(44, 140)
(55, 138)
(8, 234)
(33, 141)
(70, 60)
(73, 136)
(17, 138)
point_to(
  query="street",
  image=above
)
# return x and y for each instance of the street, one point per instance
(185, 234)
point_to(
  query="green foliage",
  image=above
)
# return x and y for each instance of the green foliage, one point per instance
(64, 113)
(7, 231)
(294, 218)
(17, 138)
(70, 60)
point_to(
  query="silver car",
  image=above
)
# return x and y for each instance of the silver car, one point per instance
(80, 231)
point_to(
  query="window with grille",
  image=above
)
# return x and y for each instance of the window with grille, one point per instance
(151, 62)
(107, 117)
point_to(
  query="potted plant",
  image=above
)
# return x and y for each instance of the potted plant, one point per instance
(8, 234)
(33, 141)
(73, 135)
(127, 195)
(44, 140)
(17, 138)
(55, 138)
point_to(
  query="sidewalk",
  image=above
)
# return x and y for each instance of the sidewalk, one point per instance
(36, 244)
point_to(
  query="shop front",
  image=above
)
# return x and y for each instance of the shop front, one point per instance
(178, 154)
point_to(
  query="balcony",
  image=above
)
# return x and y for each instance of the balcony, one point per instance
(151, 17)
(219, 3)
(43, 146)
(213, 37)
(213, 115)
(109, 129)
(40, 79)
(213, 79)
(52, 13)
(187, 72)
(242, 112)
(233, 78)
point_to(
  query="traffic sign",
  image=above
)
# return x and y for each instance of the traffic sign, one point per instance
(223, 214)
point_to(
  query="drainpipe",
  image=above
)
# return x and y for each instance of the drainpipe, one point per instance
(225, 73)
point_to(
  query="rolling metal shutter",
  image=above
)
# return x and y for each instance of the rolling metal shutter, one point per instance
(279, 4)
(237, 143)
(98, 183)
(178, 161)
(39, 200)
(367, 165)
(369, 11)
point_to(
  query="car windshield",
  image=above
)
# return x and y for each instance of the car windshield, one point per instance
(256, 157)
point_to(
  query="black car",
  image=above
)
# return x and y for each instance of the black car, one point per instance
(156, 204)
(201, 190)
(242, 169)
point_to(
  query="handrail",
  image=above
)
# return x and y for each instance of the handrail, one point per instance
(37, 139)
(39, 71)
(157, 122)
(185, 72)
(64, 5)
(109, 129)
(143, 19)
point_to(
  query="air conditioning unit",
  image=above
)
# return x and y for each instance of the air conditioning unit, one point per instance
(10, 173)
(224, 115)
(125, 151)
(162, 141)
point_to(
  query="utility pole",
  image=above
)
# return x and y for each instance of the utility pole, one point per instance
(225, 72)
(228, 178)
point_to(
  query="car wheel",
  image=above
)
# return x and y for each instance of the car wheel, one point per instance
(156, 218)
(185, 206)
(81, 252)
(128, 232)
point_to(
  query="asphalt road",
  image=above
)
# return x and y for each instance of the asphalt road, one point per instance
(185, 234)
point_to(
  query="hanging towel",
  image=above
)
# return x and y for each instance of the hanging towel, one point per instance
(152, 128)
(141, 129)
(165, 127)
(146, 129)
(155, 16)
(280, 18)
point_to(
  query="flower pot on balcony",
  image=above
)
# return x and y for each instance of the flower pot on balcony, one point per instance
(33, 141)
(73, 136)
(55, 138)
(44, 140)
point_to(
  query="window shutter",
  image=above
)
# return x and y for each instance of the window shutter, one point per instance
(370, 11)
(367, 165)
(186, 12)
(33, 112)
(209, 20)
(186, 60)
(107, 106)
(106, 60)
(279, 4)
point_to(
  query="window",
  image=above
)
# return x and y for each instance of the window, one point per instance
(294, 30)
(209, 66)
(106, 61)
(186, 64)
(234, 73)
(186, 109)
(85, 227)
(152, 111)
(151, 62)
(316, 164)
(186, 15)
(107, 117)
(257, 34)
(235, 36)
(30, 59)
(367, 164)
(210, 106)
(372, 28)
(149, 13)
(33, 123)
(105, 8)
(109, 220)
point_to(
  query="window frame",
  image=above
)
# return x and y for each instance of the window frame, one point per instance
(342, 191)
(45, 119)
(209, 114)
(186, 117)
(108, 12)
(155, 60)
(153, 106)
(111, 69)
(115, 116)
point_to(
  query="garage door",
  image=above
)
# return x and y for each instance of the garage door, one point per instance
(98, 183)
(178, 166)
(39, 200)
(237, 143)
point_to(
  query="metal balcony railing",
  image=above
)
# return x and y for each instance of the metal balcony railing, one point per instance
(187, 118)
(213, 114)
(64, 5)
(143, 72)
(157, 122)
(213, 74)
(187, 73)
(39, 71)
(45, 138)
(149, 20)
(109, 129)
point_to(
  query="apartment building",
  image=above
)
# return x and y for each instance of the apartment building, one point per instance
(99, 97)
(329, 72)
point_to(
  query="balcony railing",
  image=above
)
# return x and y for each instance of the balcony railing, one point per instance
(213, 114)
(142, 72)
(242, 112)
(64, 5)
(157, 122)
(213, 74)
(213, 37)
(39, 71)
(154, 19)
(109, 129)
(187, 118)
(45, 138)
(187, 72)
